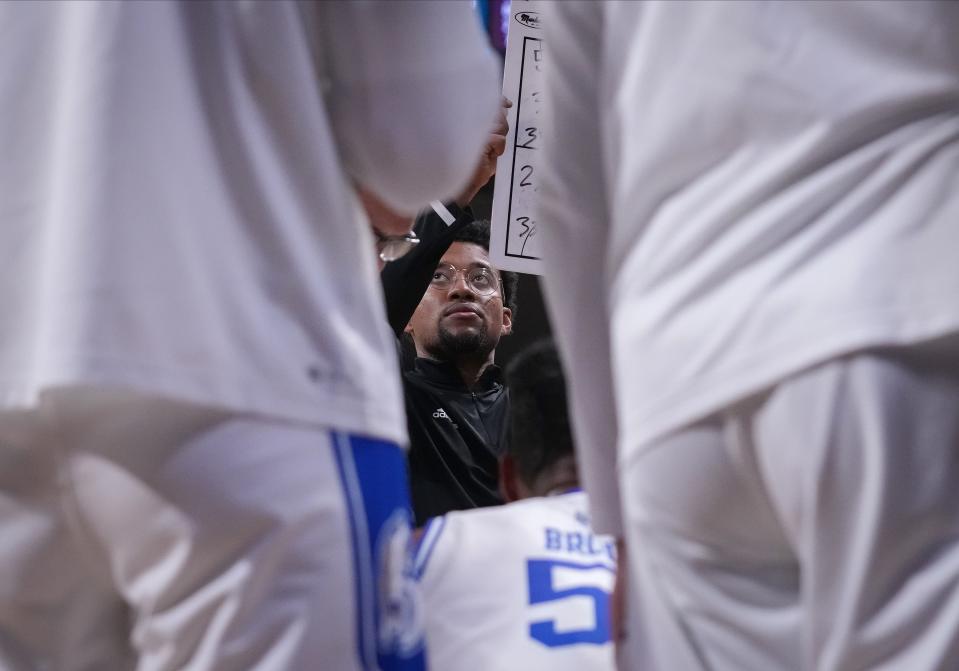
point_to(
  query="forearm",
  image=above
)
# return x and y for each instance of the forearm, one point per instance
(413, 114)
(406, 279)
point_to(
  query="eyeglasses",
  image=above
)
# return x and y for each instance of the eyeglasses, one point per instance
(392, 247)
(478, 278)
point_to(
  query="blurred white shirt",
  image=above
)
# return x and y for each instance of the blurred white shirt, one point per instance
(737, 191)
(176, 214)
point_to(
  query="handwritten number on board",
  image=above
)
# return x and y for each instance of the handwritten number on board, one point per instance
(529, 230)
(524, 181)
(530, 136)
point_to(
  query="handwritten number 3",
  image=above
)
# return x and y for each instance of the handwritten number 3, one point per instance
(530, 135)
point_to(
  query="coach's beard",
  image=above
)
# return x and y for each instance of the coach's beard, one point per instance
(469, 343)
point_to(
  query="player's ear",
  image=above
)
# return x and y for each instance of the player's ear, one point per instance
(509, 479)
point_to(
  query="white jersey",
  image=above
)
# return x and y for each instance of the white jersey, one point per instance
(521, 586)
(736, 191)
(176, 210)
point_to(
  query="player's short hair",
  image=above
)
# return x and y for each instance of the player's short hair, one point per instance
(539, 428)
(478, 232)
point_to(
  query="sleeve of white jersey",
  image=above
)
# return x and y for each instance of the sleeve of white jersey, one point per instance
(573, 213)
(413, 91)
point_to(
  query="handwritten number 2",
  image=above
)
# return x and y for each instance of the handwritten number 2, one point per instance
(524, 181)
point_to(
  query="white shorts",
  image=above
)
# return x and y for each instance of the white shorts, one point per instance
(812, 527)
(142, 533)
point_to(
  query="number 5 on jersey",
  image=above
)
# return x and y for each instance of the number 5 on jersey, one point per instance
(565, 585)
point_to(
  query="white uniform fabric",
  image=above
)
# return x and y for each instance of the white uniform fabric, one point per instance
(176, 214)
(184, 266)
(811, 527)
(123, 549)
(520, 586)
(735, 192)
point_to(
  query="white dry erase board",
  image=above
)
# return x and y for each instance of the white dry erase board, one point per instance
(514, 241)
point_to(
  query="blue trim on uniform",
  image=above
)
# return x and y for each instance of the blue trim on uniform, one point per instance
(361, 569)
(373, 473)
(431, 535)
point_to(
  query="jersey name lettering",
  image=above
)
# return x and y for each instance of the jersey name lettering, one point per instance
(578, 543)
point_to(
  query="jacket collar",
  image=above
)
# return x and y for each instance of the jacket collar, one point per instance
(447, 374)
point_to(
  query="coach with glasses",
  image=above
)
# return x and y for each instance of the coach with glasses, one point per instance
(450, 307)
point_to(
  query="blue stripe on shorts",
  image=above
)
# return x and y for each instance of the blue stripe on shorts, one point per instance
(389, 618)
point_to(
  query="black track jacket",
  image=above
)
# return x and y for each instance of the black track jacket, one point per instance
(456, 435)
